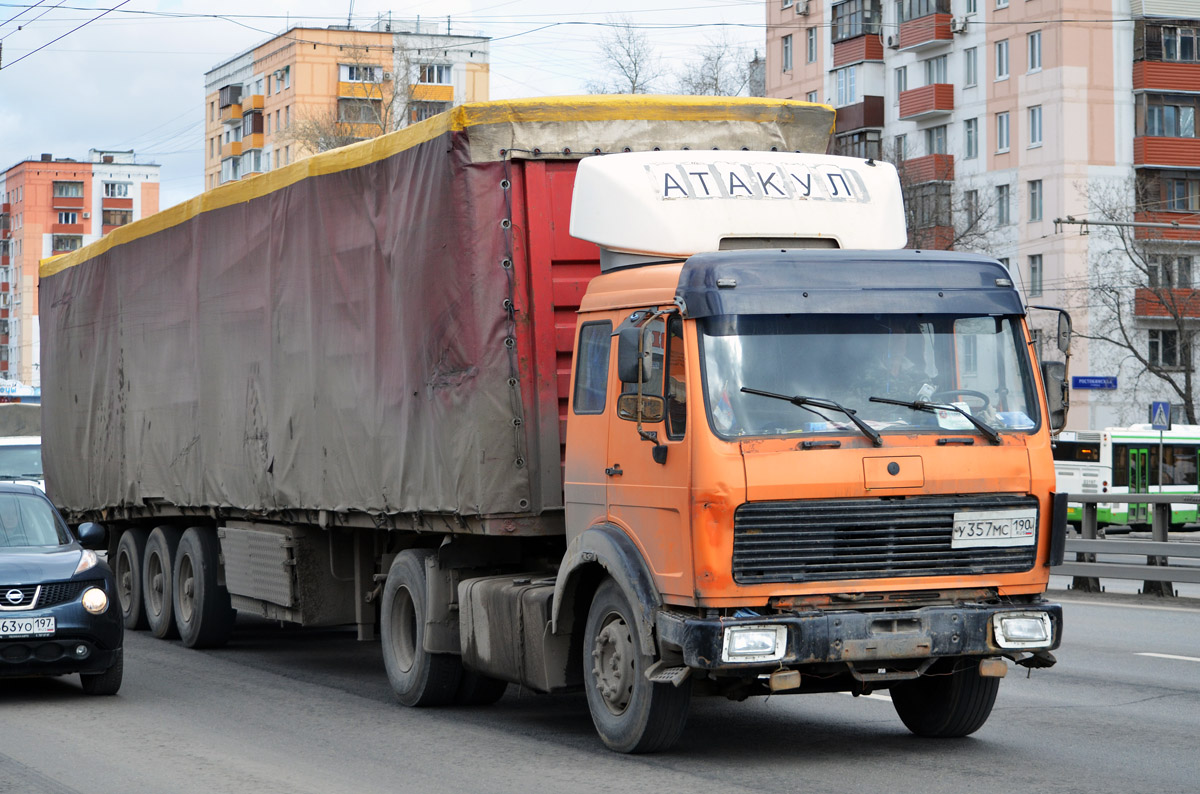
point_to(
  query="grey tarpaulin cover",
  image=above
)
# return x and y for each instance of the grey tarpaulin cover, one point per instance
(334, 334)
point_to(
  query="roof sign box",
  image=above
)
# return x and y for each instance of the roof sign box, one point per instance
(681, 203)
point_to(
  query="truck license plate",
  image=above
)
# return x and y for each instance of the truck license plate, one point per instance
(1003, 528)
(26, 627)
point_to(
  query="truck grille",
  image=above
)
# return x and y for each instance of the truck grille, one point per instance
(866, 539)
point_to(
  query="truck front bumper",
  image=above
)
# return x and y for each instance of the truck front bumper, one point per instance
(850, 636)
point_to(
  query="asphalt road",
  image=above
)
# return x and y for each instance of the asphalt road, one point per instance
(294, 710)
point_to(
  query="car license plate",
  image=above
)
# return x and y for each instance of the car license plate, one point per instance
(26, 627)
(976, 528)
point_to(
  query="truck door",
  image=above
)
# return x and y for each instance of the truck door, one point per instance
(650, 499)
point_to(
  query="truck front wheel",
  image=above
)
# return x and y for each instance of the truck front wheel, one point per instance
(418, 678)
(631, 714)
(950, 700)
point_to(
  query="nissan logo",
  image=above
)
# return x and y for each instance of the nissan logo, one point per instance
(14, 596)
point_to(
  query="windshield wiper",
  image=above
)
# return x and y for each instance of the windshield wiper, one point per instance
(922, 405)
(805, 402)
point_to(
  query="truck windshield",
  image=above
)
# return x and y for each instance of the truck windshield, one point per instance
(978, 364)
(22, 462)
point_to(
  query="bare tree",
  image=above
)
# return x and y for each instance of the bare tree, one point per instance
(382, 98)
(1143, 312)
(724, 69)
(629, 62)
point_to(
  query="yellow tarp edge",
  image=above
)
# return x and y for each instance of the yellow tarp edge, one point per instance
(513, 111)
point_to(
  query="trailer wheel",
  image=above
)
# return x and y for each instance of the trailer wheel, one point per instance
(127, 568)
(203, 613)
(418, 678)
(477, 689)
(631, 714)
(949, 701)
(158, 571)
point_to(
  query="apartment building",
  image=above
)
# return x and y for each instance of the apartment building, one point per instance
(310, 89)
(50, 206)
(1005, 115)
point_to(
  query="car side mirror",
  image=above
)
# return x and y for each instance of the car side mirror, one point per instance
(91, 535)
(1054, 376)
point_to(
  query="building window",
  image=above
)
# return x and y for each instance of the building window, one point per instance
(1180, 44)
(915, 9)
(935, 70)
(1035, 275)
(971, 66)
(353, 73)
(1001, 3)
(68, 190)
(811, 96)
(787, 53)
(1035, 200)
(1003, 217)
(970, 353)
(1167, 115)
(810, 53)
(971, 205)
(901, 81)
(68, 217)
(360, 111)
(1035, 51)
(420, 111)
(855, 18)
(971, 138)
(434, 74)
(1169, 272)
(972, 6)
(1002, 60)
(287, 77)
(65, 242)
(117, 217)
(929, 204)
(901, 148)
(1183, 195)
(116, 189)
(787, 3)
(1035, 126)
(1002, 132)
(847, 90)
(1164, 349)
(864, 144)
(935, 140)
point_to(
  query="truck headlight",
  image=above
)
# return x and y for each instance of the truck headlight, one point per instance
(1022, 629)
(754, 644)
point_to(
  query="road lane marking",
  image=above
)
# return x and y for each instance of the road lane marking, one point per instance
(1170, 656)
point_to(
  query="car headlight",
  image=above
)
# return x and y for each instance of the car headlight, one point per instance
(1022, 629)
(95, 600)
(754, 644)
(87, 562)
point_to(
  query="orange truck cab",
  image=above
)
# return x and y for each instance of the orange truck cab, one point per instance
(810, 464)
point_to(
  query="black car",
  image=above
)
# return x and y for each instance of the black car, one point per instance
(59, 611)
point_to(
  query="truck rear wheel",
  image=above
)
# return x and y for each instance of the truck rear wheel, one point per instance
(631, 714)
(127, 568)
(158, 571)
(418, 678)
(203, 613)
(951, 700)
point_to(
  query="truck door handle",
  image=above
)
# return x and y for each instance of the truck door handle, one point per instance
(614, 470)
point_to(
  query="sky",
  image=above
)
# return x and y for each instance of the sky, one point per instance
(129, 74)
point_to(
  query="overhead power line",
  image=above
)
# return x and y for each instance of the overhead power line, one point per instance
(63, 36)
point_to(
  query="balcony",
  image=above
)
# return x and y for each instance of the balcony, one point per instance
(1166, 232)
(116, 203)
(231, 113)
(1162, 76)
(868, 113)
(252, 142)
(231, 149)
(5, 208)
(67, 202)
(927, 101)
(361, 90)
(252, 102)
(930, 168)
(1166, 152)
(1153, 303)
(925, 32)
(423, 92)
(859, 48)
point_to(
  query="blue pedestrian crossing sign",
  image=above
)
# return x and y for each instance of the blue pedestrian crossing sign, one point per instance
(1160, 416)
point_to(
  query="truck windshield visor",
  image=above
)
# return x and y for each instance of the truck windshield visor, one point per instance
(979, 364)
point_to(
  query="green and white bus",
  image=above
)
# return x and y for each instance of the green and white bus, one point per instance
(1122, 460)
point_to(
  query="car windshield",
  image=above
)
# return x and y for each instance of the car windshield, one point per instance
(29, 520)
(22, 462)
(977, 365)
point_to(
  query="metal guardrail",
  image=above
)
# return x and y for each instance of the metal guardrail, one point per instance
(1156, 573)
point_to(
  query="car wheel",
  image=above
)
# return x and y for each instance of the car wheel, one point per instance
(158, 571)
(949, 701)
(108, 682)
(631, 713)
(127, 567)
(203, 614)
(418, 678)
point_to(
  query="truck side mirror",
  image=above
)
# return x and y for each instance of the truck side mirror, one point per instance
(629, 357)
(1054, 376)
(1064, 332)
